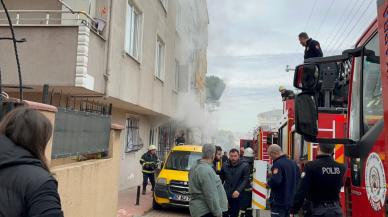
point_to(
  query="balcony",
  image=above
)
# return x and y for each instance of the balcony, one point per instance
(63, 49)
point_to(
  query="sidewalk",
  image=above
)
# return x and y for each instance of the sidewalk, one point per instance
(127, 200)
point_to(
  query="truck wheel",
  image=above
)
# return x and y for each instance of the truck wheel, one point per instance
(155, 205)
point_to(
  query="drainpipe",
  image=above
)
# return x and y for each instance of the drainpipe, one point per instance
(109, 50)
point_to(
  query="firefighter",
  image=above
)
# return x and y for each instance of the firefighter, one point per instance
(180, 140)
(320, 185)
(149, 162)
(282, 181)
(217, 162)
(246, 200)
(286, 94)
(312, 47)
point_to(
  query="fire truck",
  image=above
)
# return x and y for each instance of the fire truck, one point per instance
(261, 140)
(332, 123)
(366, 139)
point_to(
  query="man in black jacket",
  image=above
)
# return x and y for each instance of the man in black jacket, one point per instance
(149, 162)
(312, 47)
(283, 182)
(235, 175)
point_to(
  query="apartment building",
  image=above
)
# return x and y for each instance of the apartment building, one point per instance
(132, 54)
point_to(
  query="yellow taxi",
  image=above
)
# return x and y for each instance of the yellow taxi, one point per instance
(172, 184)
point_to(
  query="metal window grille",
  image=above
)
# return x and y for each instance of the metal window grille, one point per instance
(133, 140)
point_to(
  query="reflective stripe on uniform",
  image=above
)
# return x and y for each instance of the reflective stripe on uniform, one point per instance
(148, 171)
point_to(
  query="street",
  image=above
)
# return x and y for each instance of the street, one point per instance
(168, 213)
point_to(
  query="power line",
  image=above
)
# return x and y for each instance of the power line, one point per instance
(338, 23)
(325, 17)
(345, 29)
(336, 34)
(355, 24)
(311, 14)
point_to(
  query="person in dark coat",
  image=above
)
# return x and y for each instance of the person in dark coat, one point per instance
(246, 199)
(217, 162)
(320, 186)
(180, 140)
(312, 47)
(283, 182)
(27, 188)
(149, 163)
(225, 157)
(235, 176)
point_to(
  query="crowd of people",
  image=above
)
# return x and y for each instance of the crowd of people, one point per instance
(227, 192)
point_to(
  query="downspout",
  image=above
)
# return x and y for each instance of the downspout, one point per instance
(109, 51)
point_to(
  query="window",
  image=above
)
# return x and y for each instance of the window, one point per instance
(153, 136)
(133, 141)
(164, 3)
(371, 87)
(132, 31)
(159, 63)
(182, 160)
(176, 76)
(354, 121)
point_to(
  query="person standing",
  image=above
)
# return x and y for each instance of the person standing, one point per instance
(320, 185)
(246, 200)
(27, 186)
(180, 140)
(286, 94)
(149, 162)
(312, 47)
(217, 163)
(208, 197)
(235, 175)
(283, 182)
(225, 157)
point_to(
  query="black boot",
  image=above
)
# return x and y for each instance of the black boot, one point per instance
(144, 191)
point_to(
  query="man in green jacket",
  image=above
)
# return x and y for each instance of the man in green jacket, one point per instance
(208, 197)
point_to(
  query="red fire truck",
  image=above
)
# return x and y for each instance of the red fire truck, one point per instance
(262, 139)
(366, 142)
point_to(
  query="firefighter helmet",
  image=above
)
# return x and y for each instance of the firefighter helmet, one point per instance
(248, 152)
(151, 147)
(281, 88)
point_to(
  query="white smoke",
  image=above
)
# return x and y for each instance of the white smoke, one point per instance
(202, 124)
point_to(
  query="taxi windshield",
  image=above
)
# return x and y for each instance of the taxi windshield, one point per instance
(182, 160)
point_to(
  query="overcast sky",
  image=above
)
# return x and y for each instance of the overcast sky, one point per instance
(252, 41)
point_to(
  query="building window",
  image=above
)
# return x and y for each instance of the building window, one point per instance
(132, 31)
(176, 76)
(164, 3)
(159, 64)
(133, 141)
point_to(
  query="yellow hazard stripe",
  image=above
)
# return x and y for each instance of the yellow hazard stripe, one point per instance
(260, 183)
(258, 204)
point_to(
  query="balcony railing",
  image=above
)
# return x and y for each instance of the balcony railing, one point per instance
(52, 18)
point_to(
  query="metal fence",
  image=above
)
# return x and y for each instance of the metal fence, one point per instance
(78, 132)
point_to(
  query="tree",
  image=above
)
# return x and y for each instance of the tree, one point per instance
(215, 87)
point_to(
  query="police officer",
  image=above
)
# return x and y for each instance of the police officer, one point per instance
(312, 47)
(283, 182)
(320, 185)
(149, 162)
(246, 199)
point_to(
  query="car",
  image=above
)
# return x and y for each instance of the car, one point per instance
(172, 183)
